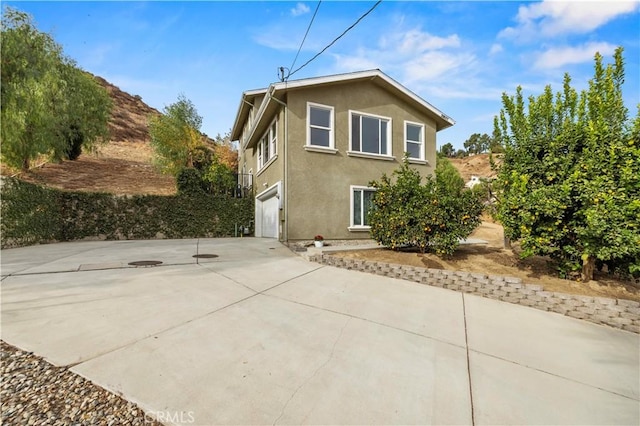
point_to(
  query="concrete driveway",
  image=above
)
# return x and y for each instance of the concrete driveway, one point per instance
(258, 335)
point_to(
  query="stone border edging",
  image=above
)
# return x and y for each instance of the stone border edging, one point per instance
(617, 313)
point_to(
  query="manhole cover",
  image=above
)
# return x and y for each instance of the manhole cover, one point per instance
(205, 256)
(145, 263)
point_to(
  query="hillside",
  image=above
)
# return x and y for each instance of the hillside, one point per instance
(476, 165)
(123, 166)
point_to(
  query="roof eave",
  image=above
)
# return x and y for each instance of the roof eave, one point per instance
(243, 112)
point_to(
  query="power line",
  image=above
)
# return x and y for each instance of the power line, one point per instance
(336, 39)
(305, 37)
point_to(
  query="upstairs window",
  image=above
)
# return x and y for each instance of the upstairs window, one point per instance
(414, 140)
(320, 126)
(370, 134)
(267, 146)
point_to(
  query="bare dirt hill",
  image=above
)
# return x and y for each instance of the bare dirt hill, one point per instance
(129, 116)
(122, 166)
(475, 165)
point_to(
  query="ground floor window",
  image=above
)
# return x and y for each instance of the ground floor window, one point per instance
(361, 203)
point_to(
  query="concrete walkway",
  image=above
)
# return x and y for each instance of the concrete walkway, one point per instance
(258, 335)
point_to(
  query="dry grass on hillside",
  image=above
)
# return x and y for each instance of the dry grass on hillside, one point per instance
(117, 168)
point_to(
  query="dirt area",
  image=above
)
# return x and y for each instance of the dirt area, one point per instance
(493, 259)
(122, 168)
(475, 165)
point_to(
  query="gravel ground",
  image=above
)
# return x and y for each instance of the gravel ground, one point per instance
(35, 392)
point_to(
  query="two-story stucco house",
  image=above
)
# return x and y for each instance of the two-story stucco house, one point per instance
(312, 146)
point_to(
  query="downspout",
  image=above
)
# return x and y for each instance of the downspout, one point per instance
(285, 168)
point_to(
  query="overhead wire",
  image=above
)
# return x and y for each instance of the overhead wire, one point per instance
(305, 36)
(335, 39)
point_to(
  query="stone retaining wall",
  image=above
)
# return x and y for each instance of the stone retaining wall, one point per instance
(618, 313)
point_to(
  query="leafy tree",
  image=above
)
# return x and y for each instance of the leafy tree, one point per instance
(85, 113)
(220, 177)
(461, 153)
(478, 143)
(447, 150)
(433, 216)
(226, 151)
(49, 106)
(189, 182)
(175, 136)
(495, 146)
(447, 176)
(570, 177)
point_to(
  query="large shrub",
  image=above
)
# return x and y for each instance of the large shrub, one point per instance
(570, 179)
(433, 216)
(189, 182)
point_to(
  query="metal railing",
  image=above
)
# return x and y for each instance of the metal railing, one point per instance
(244, 185)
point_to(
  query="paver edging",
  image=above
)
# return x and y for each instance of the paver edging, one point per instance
(617, 313)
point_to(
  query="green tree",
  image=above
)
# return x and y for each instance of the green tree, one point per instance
(570, 177)
(461, 153)
(478, 143)
(221, 178)
(176, 138)
(447, 150)
(48, 104)
(433, 216)
(447, 176)
(84, 113)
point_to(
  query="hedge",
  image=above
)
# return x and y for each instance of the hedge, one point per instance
(32, 214)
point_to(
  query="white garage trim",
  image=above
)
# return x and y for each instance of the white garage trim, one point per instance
(267, 214)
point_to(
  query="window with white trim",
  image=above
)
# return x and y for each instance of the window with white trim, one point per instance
(414, 140)
(361, 204)
(370, 134)
(320, 125)
(267, 146)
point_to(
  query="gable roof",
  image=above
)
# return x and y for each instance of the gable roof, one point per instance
(278, 90)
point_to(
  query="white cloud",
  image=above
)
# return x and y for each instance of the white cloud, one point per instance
(560, 56)
(414, 56)
(433, 65)
(300, 9)
(416, 41)
(551, 18)
(359, 62)
(495, 49)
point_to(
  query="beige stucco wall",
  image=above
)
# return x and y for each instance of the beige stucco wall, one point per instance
(316, 186)
(319, 184)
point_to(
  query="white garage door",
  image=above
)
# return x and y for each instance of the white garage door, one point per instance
(270, 208)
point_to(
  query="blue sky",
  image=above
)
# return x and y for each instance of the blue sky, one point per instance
(459, 56)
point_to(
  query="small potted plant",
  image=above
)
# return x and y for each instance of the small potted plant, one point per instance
(318, 241)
